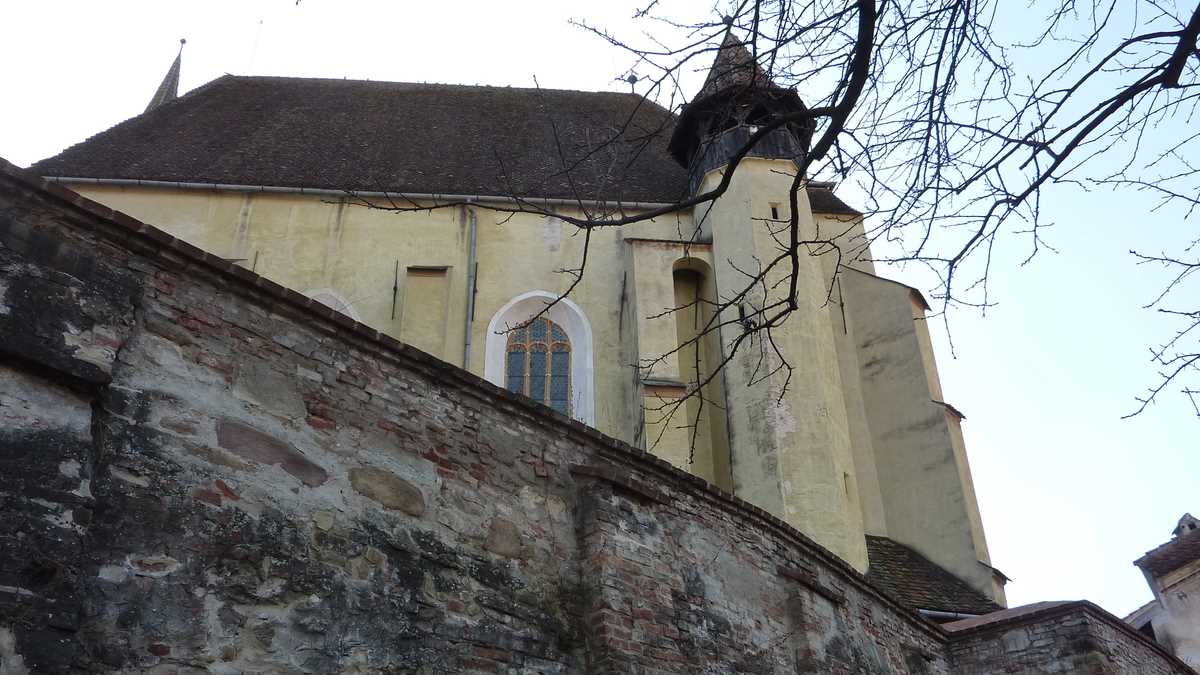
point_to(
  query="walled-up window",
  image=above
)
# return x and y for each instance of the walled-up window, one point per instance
(699, 352)
(424, 314)
(538, 364)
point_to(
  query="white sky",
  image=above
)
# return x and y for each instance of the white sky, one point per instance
(1070, 493)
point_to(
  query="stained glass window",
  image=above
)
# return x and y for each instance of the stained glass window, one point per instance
(538, 364)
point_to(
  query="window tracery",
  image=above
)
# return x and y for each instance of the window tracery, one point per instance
(538, 364)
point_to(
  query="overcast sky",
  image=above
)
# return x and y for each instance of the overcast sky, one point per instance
(1070, 493)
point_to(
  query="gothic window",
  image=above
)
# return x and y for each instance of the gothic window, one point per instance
(561, 346)
(538, 364)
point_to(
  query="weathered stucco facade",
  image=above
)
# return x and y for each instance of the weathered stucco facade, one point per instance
(206, 472)
(1172, 572)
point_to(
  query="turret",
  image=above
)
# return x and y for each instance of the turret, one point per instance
(786, 427)
(738, 98)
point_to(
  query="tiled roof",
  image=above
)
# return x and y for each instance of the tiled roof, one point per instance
(1172, 555)
(398, 137)
(918, 582)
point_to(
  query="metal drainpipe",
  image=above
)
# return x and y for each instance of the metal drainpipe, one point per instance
(471, 264)
(326, 192)
(937, 614)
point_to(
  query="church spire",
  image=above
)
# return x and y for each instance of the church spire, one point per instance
(169, 89)
(734, 67)
(737, 98)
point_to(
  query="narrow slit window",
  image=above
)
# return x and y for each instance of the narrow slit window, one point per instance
(538, 364)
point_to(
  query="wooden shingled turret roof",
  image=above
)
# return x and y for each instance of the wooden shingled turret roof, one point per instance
(734, 68)
(737, 91)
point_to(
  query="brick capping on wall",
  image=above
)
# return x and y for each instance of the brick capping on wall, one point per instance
(1008, 619)
(1018, 616)
(629, 462)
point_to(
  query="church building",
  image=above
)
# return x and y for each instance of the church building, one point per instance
(448, 216)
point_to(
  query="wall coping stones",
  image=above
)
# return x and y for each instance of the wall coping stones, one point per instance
(1038, 612)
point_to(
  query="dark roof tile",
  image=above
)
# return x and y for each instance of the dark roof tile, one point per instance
(1172, 555)
(918, 582)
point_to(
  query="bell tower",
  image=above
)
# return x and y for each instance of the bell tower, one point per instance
(789, 440)
(737, 98)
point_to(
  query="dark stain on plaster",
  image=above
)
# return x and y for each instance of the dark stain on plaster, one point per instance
(63, 307)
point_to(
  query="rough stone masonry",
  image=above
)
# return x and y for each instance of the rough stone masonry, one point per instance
(201, 471)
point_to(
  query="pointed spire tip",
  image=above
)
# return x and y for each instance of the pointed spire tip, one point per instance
(169, 89)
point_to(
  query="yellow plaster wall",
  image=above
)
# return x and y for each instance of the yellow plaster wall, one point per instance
(924, 481)
(666, 371)
(790, 439)
(849, 234)
(866, 473)
(310, 242)
(651, 272)
(852, 251)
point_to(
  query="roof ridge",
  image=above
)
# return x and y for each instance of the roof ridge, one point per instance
(509, 87)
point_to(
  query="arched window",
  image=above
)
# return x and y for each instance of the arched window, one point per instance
(530, 354)
(538, 364)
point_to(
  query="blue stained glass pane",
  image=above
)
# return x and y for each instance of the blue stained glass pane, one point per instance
(537, 375)
(517, 337)
(515, 370)
(557, 333)
(561, 364)
(537, 331)
(560, 380)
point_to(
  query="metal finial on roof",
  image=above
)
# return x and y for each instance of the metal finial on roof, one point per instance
(632, 80)
(169, 89)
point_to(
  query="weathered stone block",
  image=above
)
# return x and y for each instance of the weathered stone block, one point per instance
(388, 489)
(250, 443)
(504, 538)
(261, 385)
